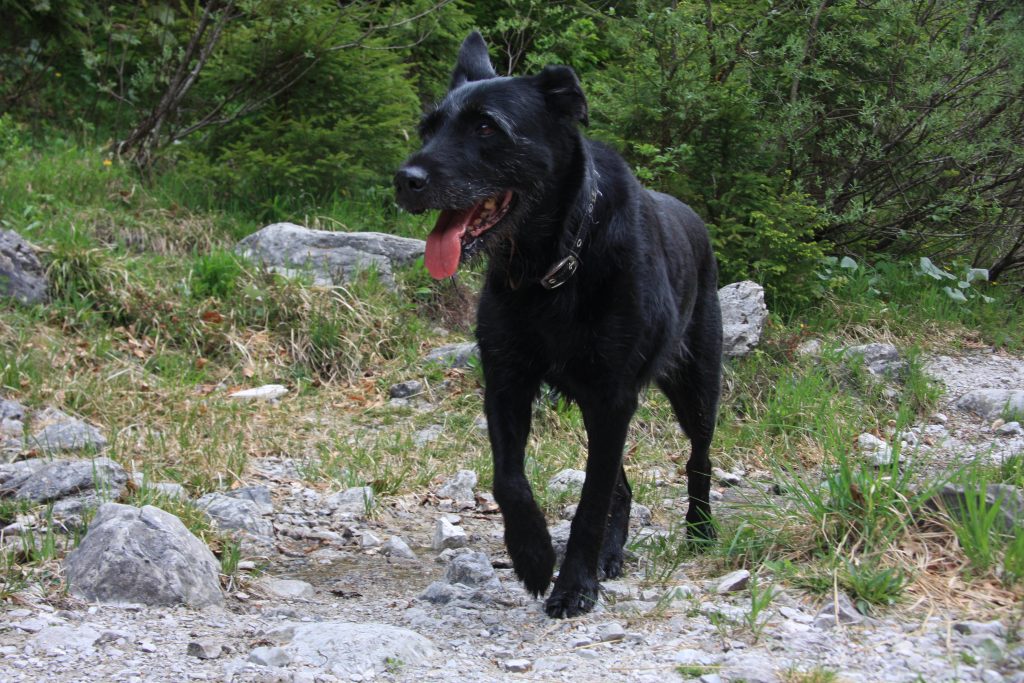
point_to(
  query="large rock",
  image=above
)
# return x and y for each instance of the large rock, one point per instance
(63, 478)
(349, 649)
(743, 317)
(147, 556)
(54, 430)
(993, 403)
(460, 355)
(21, 274)
(328, 257)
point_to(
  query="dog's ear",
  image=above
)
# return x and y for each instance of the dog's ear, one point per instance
(563, 93)
(473, 63)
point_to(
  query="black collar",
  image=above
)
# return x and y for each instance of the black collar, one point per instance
(566, 267)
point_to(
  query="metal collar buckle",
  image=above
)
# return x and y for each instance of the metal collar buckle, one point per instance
(560, 272)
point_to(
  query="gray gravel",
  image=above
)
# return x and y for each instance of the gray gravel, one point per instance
(330, 606)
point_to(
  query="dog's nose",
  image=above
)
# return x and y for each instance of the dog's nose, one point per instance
(411, 179)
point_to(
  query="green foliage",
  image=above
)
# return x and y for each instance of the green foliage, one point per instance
(215, 274)
(872, 585)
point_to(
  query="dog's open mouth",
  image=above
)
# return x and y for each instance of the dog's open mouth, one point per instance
(458, 231)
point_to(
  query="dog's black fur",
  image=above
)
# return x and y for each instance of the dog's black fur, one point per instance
(643, 305)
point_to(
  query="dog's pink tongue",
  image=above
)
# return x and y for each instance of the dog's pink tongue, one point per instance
(444, 243)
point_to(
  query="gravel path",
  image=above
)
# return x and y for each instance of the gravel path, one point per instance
(484, 627)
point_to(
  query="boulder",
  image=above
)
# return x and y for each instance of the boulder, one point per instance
(22, 276)
(353, 649)
(54, 430)
(330, 258)
(992, 403)
(143, 556)
(63, 478)
(743, 317)
(454, 355)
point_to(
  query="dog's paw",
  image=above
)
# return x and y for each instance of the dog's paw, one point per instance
(534, 566)
(609, 565)
(571, 601)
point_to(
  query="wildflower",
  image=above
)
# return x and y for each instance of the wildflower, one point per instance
(108, 162)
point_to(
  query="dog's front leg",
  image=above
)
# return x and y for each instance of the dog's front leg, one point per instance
(508, 400)
(576, 589)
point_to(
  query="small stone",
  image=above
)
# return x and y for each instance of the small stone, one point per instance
(441, 592)
(205, 649)
(267, 392)
(147, 646)
(61, 639)
(517, 665)
(810, 347)
(616, 590)
(471, 569)
(877, 359)
(610, 632)
(726, 478)
(678, 594)
(1010, 429)
(397, 547)
(991, 628)
(288, 589)
(640, 514)
(875, 450)
(732, 582)
(459, 488)
(355, 501)
(231, 513)
(406, 389)
(427, 435)
(454, 355)
(270, 656)
(447, 535)
(938, 418)
(840, 611)
(567, 481)
(368, 540)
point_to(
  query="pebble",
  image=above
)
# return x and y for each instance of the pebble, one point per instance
(205, 649)
(447, 535)
(610, 632)
(732, 582)
(517, 665)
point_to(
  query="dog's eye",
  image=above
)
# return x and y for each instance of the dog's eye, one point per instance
(485, 130)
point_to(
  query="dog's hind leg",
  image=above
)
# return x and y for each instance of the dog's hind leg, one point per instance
(693, 385)
(609, 564)
(607, 422)
(508, 400)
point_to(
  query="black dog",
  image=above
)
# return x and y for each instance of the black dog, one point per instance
(595, 285)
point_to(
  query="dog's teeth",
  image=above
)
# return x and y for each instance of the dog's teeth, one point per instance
(490, 204)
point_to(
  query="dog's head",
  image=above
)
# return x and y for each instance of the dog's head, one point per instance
(488, 147)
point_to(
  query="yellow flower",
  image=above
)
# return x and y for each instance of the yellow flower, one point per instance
(57, 74)
(108, 162)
